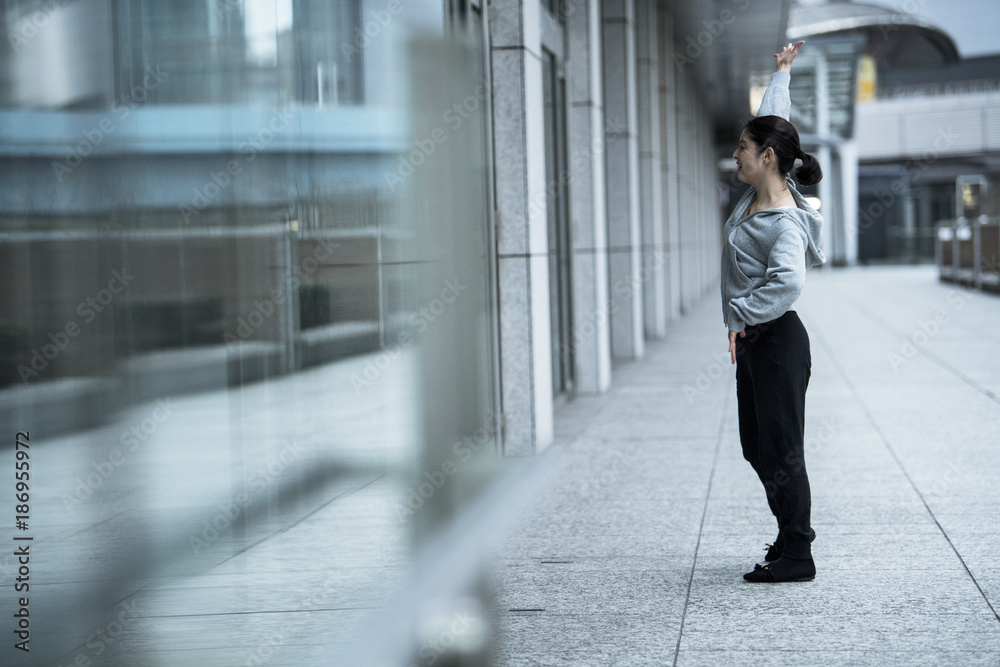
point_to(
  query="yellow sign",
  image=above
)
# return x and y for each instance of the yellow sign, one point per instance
(867, 79)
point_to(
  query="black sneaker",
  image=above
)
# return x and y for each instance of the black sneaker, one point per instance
(783, 569)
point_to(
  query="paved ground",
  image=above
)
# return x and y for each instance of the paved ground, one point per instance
(635, 553)
(632, 555)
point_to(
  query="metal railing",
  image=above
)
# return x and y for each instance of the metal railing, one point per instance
(968, 251)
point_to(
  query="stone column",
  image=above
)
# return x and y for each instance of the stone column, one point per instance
(622, 164)
(591, 337)
(849, 196)
(653, 267)
(668, 161)
(833, 232)
(687, 181)
(522, 242)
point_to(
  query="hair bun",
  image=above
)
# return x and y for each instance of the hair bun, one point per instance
(809, 173)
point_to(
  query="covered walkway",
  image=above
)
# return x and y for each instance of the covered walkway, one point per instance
(634, 555)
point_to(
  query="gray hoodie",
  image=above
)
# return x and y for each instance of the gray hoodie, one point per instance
(765, 256)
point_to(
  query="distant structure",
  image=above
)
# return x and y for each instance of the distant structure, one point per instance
(929, 152)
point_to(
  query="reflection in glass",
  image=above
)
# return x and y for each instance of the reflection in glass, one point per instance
(211, 322)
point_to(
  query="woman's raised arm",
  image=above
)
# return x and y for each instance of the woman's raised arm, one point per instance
(775, 101)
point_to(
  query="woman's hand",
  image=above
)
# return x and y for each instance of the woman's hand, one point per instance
(787, 55)
(732, 343)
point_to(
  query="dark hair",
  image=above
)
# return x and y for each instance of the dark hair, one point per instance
(781, 136)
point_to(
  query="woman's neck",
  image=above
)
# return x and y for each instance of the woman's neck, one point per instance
(771, 190)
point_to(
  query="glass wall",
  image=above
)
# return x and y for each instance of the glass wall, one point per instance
(245, 322)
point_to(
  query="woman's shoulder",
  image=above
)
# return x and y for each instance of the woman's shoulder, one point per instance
(789, 217)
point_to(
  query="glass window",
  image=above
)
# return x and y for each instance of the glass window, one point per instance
(243, 51)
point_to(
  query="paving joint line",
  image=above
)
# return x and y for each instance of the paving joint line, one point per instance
(892, 452)
(701, 526)
(922, 349)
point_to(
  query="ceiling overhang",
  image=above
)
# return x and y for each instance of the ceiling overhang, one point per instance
(894, 38)
(733, 41)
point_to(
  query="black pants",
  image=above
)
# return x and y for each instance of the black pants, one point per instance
(773, 365)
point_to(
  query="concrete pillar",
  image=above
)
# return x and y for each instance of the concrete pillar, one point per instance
(622, 164)
(522, 241)
(833, 232)
(653, 268)
(849, 188)
(833, 236)
(709, 224)
(591, 337)
(700, 215)
(688, 194)
(668, 161)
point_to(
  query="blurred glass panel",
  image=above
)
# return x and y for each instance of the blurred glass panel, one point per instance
(241, 338)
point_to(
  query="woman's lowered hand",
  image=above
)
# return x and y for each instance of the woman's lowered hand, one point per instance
(732, 343)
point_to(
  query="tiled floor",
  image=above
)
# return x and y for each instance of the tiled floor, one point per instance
(631, 555)
(634, 555)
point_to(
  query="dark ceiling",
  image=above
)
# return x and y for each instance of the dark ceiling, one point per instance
(751, 32)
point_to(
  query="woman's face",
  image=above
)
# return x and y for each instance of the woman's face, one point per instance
(751, 165)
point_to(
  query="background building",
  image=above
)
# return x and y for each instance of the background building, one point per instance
(930, 134)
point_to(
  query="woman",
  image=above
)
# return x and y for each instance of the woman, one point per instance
(771, 239)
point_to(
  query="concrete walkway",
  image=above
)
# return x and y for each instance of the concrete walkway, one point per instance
(635, 554)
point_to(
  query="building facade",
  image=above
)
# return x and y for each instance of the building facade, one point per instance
(607, 212)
